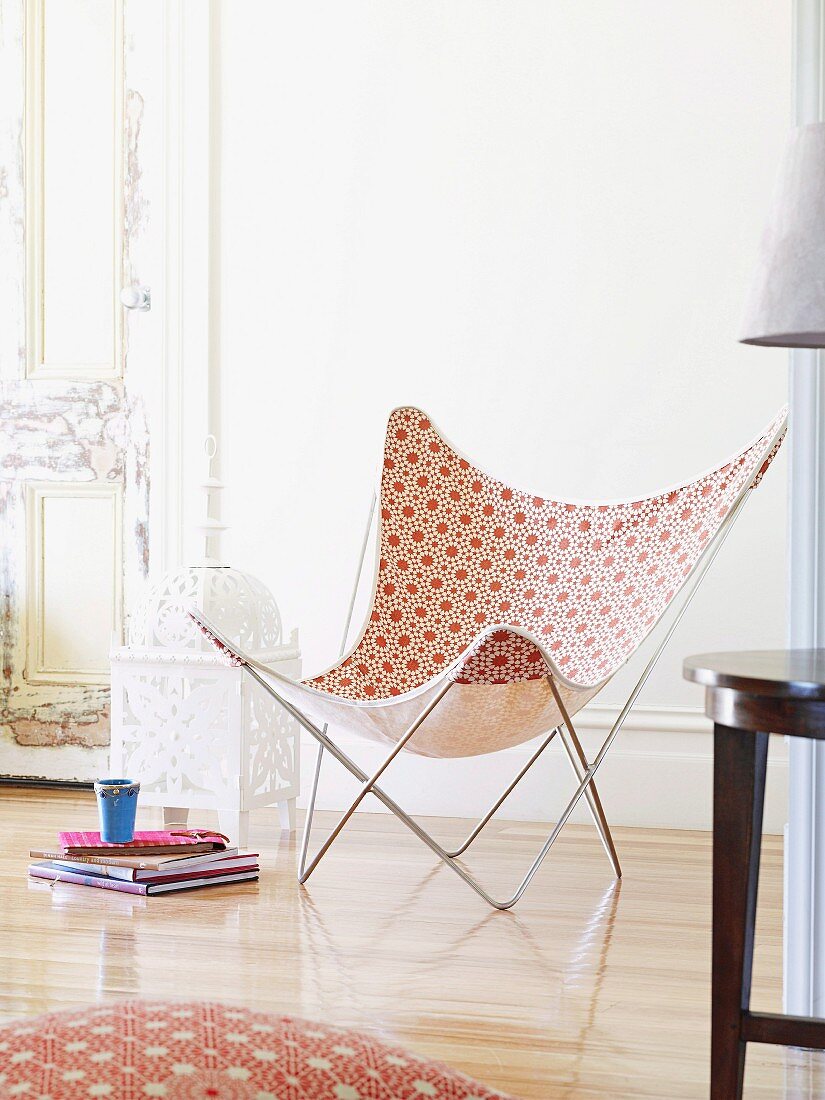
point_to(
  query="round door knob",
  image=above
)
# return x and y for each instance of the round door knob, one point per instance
(136, 297)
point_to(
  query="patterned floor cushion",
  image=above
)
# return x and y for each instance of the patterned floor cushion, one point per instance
(195, 1051)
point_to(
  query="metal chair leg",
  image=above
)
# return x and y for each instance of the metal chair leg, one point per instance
(412, 825)
(575, 753)
(578, 762)
(347, 624)
(500, 800)
(369, 784)
(310, 810)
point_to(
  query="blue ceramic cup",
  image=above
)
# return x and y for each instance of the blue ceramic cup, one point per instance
(116, 806)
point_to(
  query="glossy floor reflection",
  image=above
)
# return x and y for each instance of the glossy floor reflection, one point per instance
(588, 988)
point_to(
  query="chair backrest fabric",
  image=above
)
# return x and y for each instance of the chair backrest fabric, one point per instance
(461, 553)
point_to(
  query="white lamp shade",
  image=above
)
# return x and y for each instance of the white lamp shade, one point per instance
(786, 307)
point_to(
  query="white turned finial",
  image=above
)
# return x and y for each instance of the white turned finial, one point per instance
(211, 528)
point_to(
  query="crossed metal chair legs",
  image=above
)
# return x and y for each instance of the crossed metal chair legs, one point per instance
(369, 785)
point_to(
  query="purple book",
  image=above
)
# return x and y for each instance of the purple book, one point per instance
(48, 871)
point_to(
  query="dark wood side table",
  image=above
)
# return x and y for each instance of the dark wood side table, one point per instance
(749, 695)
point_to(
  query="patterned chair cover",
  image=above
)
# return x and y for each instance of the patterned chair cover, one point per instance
(492, 588)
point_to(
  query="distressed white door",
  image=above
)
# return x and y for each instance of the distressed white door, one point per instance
(81, 218)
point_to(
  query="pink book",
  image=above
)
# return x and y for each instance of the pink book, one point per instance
(147, 843)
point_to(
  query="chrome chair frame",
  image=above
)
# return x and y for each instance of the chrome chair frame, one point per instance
(585, 772)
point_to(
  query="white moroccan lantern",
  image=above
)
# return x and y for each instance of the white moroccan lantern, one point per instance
(195, 730)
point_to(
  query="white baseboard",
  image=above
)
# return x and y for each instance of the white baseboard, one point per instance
(659, 774)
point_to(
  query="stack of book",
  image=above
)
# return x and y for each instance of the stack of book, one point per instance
(152, 863)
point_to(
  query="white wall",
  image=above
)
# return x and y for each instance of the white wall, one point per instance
(536, 221)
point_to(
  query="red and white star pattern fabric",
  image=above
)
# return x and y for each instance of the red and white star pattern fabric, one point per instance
(464, 557)
(133, 1050)
(493, 588)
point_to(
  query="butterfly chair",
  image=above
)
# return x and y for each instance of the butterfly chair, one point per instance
(497, 615)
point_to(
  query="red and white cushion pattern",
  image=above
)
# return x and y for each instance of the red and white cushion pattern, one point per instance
(463, 556)
(134, 1050)
(502, 657)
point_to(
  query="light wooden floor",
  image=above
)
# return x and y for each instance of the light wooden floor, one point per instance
(584, 990)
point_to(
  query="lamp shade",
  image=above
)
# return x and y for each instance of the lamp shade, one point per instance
(786, 307)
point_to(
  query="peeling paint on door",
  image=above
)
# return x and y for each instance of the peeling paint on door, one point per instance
(77, 433)
(61, 430)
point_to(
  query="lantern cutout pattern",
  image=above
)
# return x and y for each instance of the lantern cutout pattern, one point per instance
(196, 731)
